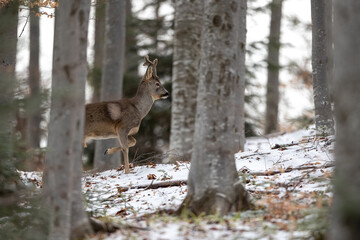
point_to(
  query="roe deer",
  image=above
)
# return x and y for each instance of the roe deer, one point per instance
(121, 118)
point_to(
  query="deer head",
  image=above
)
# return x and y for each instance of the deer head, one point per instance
(151, 79)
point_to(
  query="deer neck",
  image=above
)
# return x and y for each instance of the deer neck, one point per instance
(143, 99)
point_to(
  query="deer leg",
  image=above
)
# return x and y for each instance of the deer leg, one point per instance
(131, 143)
(123, 139)
(84, 142)
(126, 160)
(112, 150)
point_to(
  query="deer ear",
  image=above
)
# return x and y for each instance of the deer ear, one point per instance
(148, 74)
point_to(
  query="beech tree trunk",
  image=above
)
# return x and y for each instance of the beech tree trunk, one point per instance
(213, 185)
(185, 77)
(62, 174)
(272, 94)
(345, 219)
(112, 76)
(323, 114)
(34, 115)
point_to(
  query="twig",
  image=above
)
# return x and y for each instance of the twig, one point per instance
(149, 185)
(297, 183)
(27, 20)
(255, 154)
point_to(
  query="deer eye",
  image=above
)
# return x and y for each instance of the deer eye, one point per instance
(157, 84)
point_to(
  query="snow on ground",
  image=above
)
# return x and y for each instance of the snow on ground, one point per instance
(288, 177)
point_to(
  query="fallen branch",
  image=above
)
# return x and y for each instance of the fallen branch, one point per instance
(156, 213)
(284, 146)
(254, 154)
(263, 192)
(289, 169)
(110, 227)
(175, 183)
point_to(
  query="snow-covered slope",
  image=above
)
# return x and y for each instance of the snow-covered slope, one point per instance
(288, 176)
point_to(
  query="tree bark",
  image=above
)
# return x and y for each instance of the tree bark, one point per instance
(272, 94)
(186, 62)
(62, 174)
(34, 115)
(323, 114)
(112, 77)
(345, 219)
(329, 48)
(213, 186)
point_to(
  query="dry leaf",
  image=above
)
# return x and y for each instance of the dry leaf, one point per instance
(151, 176)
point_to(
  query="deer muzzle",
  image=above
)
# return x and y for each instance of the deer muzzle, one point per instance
(165, 95)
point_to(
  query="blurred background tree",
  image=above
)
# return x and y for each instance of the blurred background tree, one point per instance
(20, 215)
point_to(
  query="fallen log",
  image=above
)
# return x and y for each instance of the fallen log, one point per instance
(177, 183)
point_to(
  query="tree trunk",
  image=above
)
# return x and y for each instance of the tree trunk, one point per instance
(112, 77)
(323, 115)
(329, 48)
(158, 23)
(272, 94)
(186, 62)
(62, 174)
(213, 186)
(8, 40)
(346, 211)
(98, 49)
(131, 61)
(34, 115)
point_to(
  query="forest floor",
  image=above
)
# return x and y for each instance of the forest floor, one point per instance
(288, 177)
